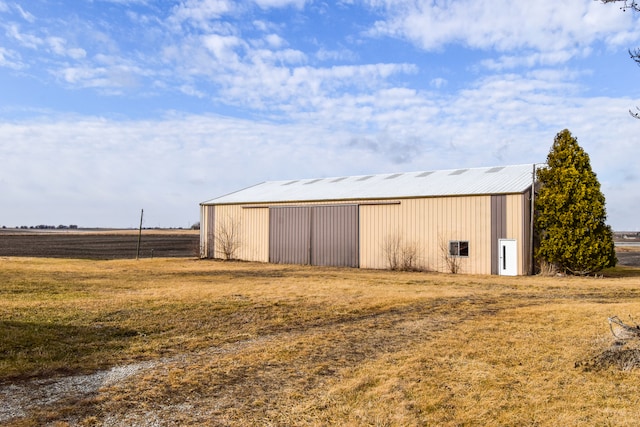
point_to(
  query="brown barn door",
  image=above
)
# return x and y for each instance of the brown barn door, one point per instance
(317, 235)
(498, 229)
(209, 225)
(334, 236)
(290, 235)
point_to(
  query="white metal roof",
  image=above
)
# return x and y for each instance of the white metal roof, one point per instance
(452, 182)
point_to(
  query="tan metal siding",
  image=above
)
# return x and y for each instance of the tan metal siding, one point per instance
(377, 224)
(515, 229)
(251, 228)
(227, 218)
(429, 224)
(255, 229)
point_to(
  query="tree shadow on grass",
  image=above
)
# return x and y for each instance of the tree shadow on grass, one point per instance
(621, 272)
(32, 349)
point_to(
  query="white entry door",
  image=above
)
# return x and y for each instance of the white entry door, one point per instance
(508, 257)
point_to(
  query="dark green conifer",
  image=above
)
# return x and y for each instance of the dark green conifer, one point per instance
(570, 211)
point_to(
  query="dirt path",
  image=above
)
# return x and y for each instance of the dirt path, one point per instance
(20, 399)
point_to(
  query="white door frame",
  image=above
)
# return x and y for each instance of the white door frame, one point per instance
(507, 257)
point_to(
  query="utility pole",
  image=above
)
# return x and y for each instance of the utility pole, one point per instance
(139, 234)
(532, 256)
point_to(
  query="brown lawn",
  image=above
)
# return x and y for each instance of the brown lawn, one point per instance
(174, 341)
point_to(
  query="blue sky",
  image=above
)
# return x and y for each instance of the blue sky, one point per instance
(111, 106)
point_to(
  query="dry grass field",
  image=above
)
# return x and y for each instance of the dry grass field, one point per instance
(177, 341)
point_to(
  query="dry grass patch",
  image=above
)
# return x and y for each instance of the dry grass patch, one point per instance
(259, 344)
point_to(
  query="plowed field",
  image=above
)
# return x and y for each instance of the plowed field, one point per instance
(99, 245)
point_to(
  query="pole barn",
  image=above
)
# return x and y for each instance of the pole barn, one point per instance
(476, 221)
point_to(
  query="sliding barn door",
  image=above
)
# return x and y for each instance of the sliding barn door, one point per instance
(316, 235)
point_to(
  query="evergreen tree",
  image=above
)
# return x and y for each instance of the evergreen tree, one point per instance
(570, 211)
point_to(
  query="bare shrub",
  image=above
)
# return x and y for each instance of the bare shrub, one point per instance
(401, 255)
(228, 237)
(451, 262)
(548, 269)
(391, 248)
(409, 257)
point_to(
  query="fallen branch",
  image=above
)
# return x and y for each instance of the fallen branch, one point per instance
(628, 331)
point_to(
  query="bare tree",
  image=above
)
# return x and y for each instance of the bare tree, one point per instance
(228, 237)
(621, 330)
(626, 4)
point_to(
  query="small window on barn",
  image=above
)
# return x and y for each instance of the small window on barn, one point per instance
(459, 248)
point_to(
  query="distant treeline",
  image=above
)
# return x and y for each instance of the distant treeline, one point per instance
(45, 227)
(195, 226)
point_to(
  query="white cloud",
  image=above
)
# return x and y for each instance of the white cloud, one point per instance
(223, 48)
(26, 40)
(58, 46)
(266, 4)
(10, 59)
(529, 60)
(113, 77)
(438, 82)
(275, 41)
(126, 2)
(192, 91)
(336, 55)
(200, 12)
(24, 14)
(257, 77)
(504, 25)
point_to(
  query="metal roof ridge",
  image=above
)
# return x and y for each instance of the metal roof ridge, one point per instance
(383, 175)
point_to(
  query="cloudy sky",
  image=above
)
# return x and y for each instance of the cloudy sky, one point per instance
(112, 106)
